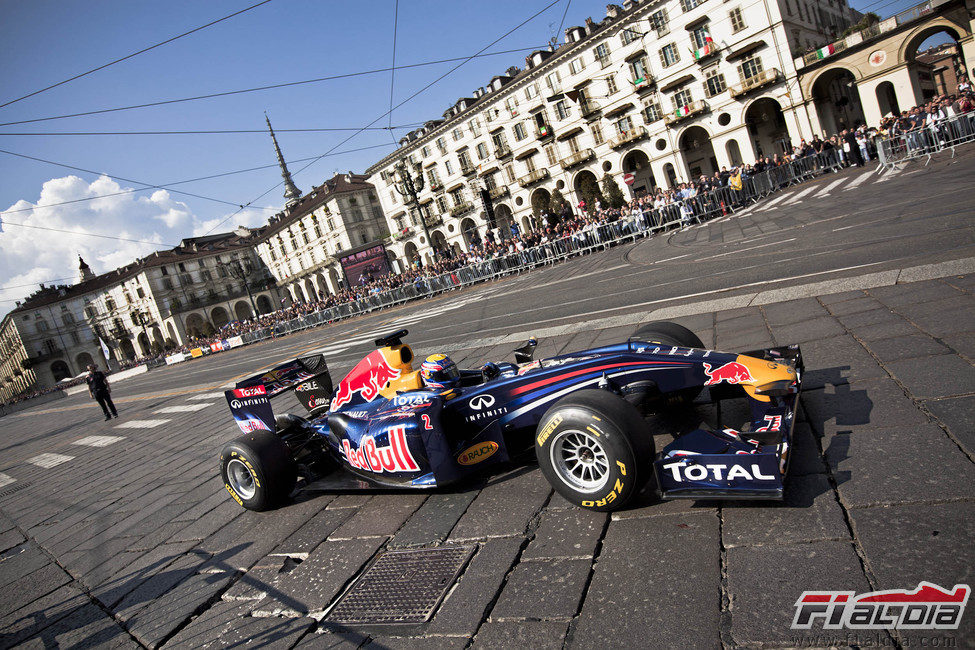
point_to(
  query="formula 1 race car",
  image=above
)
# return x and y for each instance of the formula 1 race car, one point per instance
(381, 427)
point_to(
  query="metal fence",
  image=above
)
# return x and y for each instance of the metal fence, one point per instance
(926, 141)
(628, 227)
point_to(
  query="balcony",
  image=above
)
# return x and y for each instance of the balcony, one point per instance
(498, 192)
(604, 62)
(436, 187)
(625, 138)
(762, 79)
(686, 111)
(577, 158)
(704, 53)
(461, 209)
(468, 170)
(642, 84)
(543, 132)
(533, 177)
(589, 109)
(47, 355)
(502, 152)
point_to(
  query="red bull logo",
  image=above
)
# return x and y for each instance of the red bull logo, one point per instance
(731, 373)
(370, 376)
(394, 457)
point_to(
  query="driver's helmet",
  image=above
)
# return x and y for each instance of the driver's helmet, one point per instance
(438, 371)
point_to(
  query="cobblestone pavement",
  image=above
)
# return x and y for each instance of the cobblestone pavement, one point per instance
(140, 545)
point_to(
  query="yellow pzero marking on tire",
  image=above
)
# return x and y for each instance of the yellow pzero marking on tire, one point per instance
(597, 419)
(592, 431)
(622, 467)
(619, 486)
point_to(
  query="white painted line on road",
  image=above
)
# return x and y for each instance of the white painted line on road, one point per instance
(184, 408)
(862, 178)
(6, 480)
(742, 250)
(205, 396)
(795, 197)
(894, 172)
(47, 461)
(141, 424)
(671, 259)
(776, 200)
(829, 188)
(98, 441)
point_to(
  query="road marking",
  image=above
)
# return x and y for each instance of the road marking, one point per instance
(98, 441)
(742, 250)
(47, 461)
(141, 424)
(894, 172)
(671, 259)
(184, 408)
(6, 480)
(796, 197)
(862, 178)
(206, 396)
(776, 200)
(826, 190)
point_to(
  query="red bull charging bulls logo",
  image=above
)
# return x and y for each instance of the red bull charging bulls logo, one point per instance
(370, 376)
(731, 373)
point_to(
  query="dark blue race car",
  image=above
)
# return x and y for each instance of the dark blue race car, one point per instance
(583, 413)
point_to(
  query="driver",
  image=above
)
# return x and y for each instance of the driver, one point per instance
(438, 371)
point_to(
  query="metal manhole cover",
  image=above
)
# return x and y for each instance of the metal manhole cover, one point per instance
(402, 586)
(15, 488)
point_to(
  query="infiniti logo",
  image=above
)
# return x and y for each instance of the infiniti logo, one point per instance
(481, 402)
(235, 404)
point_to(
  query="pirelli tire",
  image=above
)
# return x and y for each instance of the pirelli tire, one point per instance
(595, 450)
(257, 470)
(668, 333)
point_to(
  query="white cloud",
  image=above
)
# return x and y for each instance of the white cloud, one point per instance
(32, 255)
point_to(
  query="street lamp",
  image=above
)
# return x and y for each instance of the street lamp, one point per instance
(241, 272)
(145, 319)
(408, 186)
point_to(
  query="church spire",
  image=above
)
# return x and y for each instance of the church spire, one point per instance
(291, 192)
(84, 271)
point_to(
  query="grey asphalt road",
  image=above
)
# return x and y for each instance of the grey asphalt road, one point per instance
(120, 534)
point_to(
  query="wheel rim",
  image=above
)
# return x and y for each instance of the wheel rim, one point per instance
(241, 479)
(580, 460)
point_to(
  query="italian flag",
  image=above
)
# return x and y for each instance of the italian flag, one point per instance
(824, 52)
(683, 111)
(704, 51)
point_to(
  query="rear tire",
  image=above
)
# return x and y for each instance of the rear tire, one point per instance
(257, 470)
(668, 333)
(595, 450)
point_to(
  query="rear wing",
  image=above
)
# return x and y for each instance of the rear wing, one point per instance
(250, 403)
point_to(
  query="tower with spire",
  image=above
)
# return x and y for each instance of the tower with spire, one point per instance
(291, 192)
(84, 271)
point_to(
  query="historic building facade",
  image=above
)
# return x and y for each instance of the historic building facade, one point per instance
(664, 90)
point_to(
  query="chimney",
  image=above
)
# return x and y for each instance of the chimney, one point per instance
(612, 11)
(590, 25)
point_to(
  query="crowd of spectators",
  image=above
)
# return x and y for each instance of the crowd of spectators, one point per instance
(854, 146)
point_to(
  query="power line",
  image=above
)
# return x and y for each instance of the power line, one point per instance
(408, 99)
(259, 88)
(87, 234)
(189, 180)
(134, 54)
(21, 286)
(216, 132)
(392, 73)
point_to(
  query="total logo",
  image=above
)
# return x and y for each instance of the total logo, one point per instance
(929, 607)
(395, 457)
(481, 402)
(252, 391)
(731, 373)
(715, 472)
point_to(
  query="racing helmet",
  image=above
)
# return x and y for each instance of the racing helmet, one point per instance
(438, 371)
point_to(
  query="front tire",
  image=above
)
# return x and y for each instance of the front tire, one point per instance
(257, 470)
(595, 450)
(665, 332)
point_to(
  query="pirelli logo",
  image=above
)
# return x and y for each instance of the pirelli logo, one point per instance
(548, 429)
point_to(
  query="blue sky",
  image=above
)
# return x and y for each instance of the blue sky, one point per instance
(47, 41)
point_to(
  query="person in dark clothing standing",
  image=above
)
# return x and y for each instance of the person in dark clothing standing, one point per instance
(100, 391)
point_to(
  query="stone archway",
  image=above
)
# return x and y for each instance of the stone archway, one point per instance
(243, 311)
(586, 187)
(412, 254)
(671, 175)
(171, 331)
(439, 241)
(83, 360)
(503, 219)
(264, 305)
(926, 78)
(767, 129)
(887, 99)
(541, 202)
(698, 153)
(195, 325)
(127, 349)
(157, 337)
(636, 162)
(310, 291)
(145, 348)
(219, 317)
(60, 370)
(837, 101)
(334, 277)
(468, 230)
(734, 153)
(323, 284)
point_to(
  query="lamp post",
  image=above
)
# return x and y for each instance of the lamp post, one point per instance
(408, 186)
(145, 319)
(241, 272)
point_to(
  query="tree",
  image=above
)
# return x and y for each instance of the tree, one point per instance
(589, 191)
(539, 205)
(556, 202)
(612, 192)
(869, 19)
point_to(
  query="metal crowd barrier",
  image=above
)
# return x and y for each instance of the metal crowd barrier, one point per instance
(926, 141)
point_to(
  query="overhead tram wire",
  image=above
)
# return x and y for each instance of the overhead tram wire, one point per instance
(87, 234)
(348, 75)
(215, 132)
(134, 54)
(189, 180)
(392, 72)
(408, 99)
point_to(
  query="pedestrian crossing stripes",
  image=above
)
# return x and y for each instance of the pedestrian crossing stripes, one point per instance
(47, 461)
(205, 396)
(141, 424)
(799, 195)
(829, 188)
(862, 178)
(184, 408)
(98, 441)
(6, 480)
